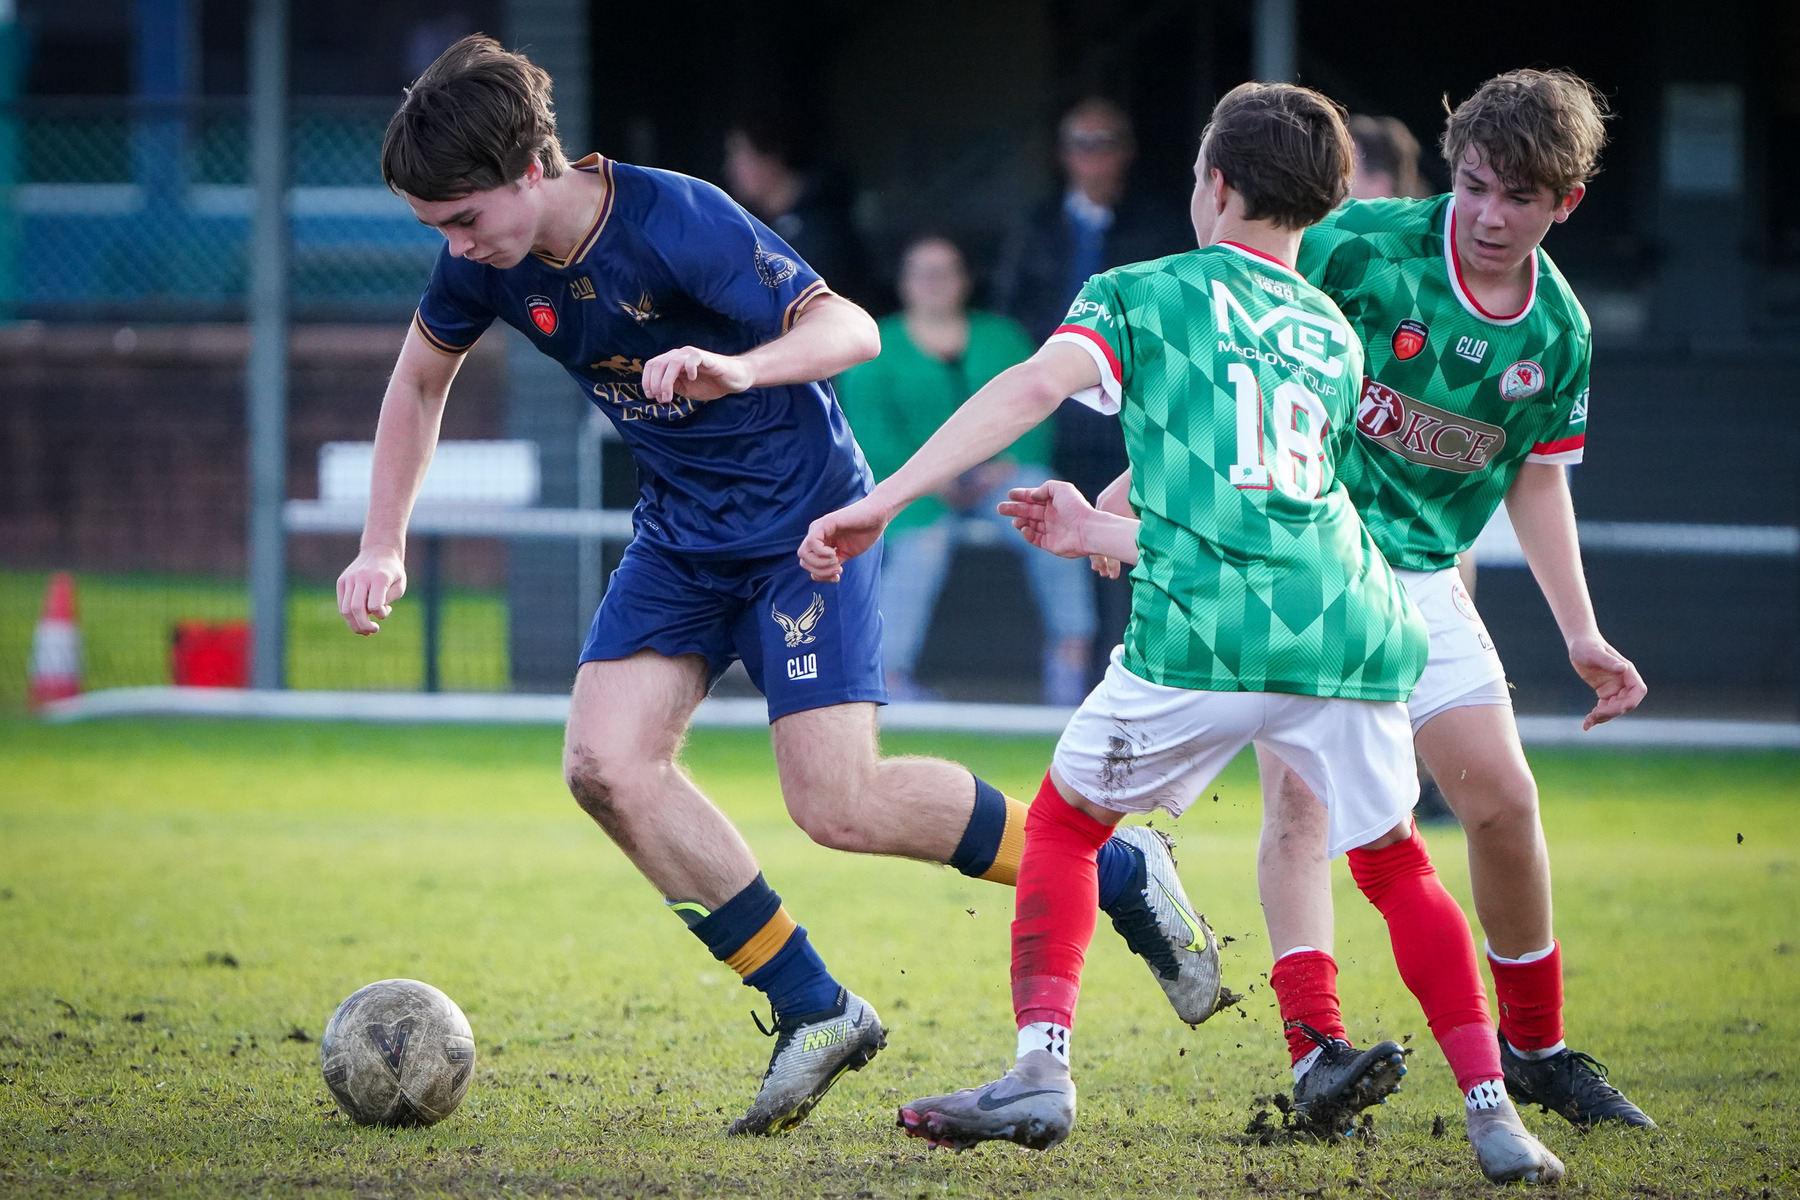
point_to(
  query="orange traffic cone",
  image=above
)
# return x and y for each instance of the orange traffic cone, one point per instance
(56, 644)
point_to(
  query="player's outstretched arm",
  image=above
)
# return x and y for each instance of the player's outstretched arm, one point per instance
(405, 439)
(830, 335)
(988, 422)
(1056, 517)
(1543, 515)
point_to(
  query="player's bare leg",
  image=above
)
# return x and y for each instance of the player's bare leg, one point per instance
(1333, 1080)
(627, 721)
(841, 791)
(845, 795)
(626, 724)
(1475, 753)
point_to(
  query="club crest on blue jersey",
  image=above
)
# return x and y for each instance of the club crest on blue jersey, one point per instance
(774, 269)
(799, 630)
(542, 313)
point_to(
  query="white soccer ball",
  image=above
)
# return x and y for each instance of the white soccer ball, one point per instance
(397, 1052)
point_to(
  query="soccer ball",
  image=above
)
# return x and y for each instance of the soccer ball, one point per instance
(398, 1052)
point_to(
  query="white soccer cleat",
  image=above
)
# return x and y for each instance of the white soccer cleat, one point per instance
(1162, 928)
(1033, 1104)
(1506, 1150)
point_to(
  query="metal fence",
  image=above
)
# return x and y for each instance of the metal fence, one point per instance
(141, 211)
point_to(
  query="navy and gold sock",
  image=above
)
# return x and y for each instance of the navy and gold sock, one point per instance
(994, 840)
(753, 935)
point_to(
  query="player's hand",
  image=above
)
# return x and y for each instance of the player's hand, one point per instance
(1104, 565)
(837, 537)
(1615, 681)
(368, 588)
(1052, 516)
(695, 374)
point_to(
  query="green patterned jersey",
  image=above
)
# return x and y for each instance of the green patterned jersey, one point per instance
(1237, 382)
(1455, 398)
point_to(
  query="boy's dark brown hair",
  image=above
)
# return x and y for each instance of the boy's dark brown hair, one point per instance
(476, 119)
(1535, 128)
(1283, 148)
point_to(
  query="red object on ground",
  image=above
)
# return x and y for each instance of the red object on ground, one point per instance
(210, 654)
(56, 644)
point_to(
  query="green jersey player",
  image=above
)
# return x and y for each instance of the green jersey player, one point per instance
(1477, 393)
(1260, 613)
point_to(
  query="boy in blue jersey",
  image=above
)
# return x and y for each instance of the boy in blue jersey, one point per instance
(704, 338)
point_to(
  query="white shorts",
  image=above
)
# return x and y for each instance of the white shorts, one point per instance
(1134, 746)
(1463, 668)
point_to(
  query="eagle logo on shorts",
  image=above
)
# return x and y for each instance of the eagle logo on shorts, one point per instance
(799, 630)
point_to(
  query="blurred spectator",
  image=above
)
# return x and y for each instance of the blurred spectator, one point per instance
(935, 353)
(770, 170)
(1096, 223)
(1387, 159)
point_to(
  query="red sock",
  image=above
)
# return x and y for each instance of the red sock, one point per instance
(1531, 1000)
(1305, 984)
(1054, 908)
(1435, 953)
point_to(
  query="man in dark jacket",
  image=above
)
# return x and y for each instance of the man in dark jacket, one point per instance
(1096, 223)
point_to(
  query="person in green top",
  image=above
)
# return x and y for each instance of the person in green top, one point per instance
(936, 353)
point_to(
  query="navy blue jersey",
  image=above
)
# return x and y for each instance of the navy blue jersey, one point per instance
(671, 261)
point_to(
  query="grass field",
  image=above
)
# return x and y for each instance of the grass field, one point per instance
(183, 904)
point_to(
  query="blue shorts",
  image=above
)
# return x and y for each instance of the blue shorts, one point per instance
(805, 644)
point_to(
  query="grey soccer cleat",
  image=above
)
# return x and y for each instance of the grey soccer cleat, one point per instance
(811, 1052)
(1033, 1104)
(1162, 928)
(1506, 1150)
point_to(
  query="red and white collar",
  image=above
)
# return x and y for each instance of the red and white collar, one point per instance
(1453, 267)
(1259, 256)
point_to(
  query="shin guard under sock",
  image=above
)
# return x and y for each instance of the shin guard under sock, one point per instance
(1531, 1000)
(1435, 953)
(1054, 911)
(1305, 986)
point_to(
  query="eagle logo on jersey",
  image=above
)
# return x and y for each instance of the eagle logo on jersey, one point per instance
(799, 630)
(1409, 338)
(643, 311)
(1523, 380)
(542, 312)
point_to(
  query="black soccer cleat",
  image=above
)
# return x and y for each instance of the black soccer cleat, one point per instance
(1572, 1085)
(1344, 1080)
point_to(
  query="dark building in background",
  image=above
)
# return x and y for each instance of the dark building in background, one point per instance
(937, 115)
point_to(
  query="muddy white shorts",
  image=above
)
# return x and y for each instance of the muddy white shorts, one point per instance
(1463, 668)
(1134, 746)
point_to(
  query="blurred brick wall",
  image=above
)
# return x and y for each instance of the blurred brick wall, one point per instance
(123, 449)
